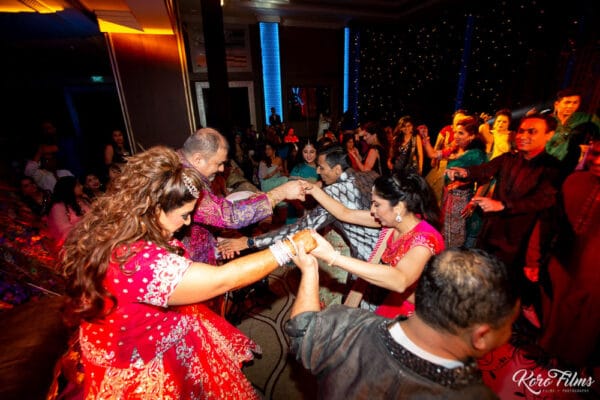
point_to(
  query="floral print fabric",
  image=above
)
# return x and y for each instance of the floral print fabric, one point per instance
(145, 349)
(422, 234)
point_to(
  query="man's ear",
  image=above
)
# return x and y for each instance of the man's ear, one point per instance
(338, 169)
(481, 337)
(198, 160)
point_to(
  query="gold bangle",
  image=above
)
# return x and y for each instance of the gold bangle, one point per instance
(271, 199)
(335, 257)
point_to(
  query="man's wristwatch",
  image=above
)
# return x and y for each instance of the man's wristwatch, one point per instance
(250, 243)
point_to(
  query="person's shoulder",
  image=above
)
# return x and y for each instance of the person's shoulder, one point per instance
(369, 175)
(508, 157)
(58, 207)
(296, 169)
(351, 175)
(475, 152)
(581, 116)
(349, 317)
(425, 232)
(579, 179)
(548, 160)
(63, 172)
(146, 248)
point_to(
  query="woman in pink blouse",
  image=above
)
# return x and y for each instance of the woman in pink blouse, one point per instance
(405, 206)
(144, 332)
(69, 204)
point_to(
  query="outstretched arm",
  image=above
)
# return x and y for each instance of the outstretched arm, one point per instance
(486, 133)
(420, 154)
(340, 211)
(427, 147)
(201, 281)
(307, 298)
(220, 212)
(398, 278)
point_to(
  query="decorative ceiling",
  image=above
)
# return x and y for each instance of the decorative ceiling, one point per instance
(76, 18)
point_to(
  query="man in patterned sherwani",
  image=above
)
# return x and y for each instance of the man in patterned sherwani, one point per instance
(206, 151)
(351, 188)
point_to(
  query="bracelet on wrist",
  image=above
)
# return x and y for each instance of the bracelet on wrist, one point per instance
(333, 259)
(273, 199)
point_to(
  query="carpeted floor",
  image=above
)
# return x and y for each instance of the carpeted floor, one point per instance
(33, 338)
(276, 374)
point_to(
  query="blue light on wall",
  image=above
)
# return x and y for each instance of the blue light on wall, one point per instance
(354, 76)
(346, 67)
(269, 44)
(464, 62)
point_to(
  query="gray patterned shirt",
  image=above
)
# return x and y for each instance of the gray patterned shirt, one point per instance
(353, 189)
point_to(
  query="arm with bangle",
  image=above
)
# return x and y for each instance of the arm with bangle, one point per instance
(429, 150)
(397, 278)
(316, 218)
(202, 281)
(220, 212)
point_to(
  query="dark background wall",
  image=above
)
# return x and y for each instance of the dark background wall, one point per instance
(481, 57)
(151, 76)
(311, 58)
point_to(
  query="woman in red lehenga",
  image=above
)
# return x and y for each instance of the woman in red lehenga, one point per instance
(144, 333)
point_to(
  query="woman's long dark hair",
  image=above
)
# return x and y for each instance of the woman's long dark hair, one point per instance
(268, 161)
(472, 127)
(64, 192)
(413, 190)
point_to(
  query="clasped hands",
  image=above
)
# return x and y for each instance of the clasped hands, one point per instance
(296, 189)
(229, 247)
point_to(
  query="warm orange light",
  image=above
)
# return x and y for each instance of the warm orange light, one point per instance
(110, 27)
(160, 48)
(42, 7)
(130, 21)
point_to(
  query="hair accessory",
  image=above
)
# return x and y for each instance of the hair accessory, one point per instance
(398, 218)
(190, 186)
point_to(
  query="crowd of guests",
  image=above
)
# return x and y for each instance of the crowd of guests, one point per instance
(502, 225)
(54, 194)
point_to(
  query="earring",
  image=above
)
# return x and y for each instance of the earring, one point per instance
(398, 218)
